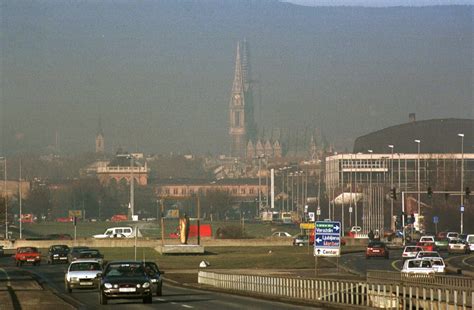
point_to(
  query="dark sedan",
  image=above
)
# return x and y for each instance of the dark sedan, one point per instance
(58, 253)
(125, 280)
(74, 253)
(377, 249)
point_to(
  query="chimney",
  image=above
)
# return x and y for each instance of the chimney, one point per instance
(412, 117)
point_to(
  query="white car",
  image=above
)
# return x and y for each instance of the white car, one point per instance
(437, 264)
(356, 229)
(82, 274)
(424, 254)
(116, 232)
(281, 234)
(418, 266)
(452, 235)
(411, 251)
(427, 239)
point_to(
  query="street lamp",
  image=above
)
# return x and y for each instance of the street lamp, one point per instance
(5, 195)
(462, 180)
(318, 211)
(369, 214)
(392, 223)
(132, 188)
(418, 142)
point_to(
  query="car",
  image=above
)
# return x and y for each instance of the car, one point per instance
(59, 237)
(417, 266)
(423, 254)
(463, 237)
(74, 253)
(116, 232)
(411, 251)
(427, 246)
(91, 254)
(82, 274)
(452, 235)
(125, 280)
(154, 274)
(427, 239)
(356, 229)
(281, 234)
(441, 244)
(27, 255)
(301, 240)
(457, 246)
(376, 249)
(437, 263)
(470, 242)
(58, 253)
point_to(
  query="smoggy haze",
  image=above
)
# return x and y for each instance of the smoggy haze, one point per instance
(160, 72)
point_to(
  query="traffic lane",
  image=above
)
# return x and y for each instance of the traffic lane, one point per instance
(174, 297)
(360, 264)
(19, 290)
(461, 261)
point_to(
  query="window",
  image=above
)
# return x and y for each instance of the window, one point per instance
(242, 191)
(175, 191)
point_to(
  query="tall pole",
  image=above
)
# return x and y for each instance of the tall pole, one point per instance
(5, 196)
(132, 188)
(369, 214)
(20, 196)
(259, 185)
(392, 222)
(462, 180)
(342, 186)
(319, 190)
(418, 180)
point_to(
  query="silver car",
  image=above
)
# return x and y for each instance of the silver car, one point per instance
(82, 274)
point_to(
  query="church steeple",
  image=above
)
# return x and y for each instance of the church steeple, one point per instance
(99, 138)
(241, 122)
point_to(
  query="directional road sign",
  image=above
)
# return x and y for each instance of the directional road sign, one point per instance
(327, 239)
(435, 220)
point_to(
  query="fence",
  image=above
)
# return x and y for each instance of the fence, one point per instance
(364, 294)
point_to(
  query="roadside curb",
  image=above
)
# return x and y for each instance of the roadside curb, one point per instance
(44, 283)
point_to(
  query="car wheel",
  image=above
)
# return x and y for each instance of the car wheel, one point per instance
(148, 299)
(159, 291)
(68, 288)
(102, 298)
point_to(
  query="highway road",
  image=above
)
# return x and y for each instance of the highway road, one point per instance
(174, 297)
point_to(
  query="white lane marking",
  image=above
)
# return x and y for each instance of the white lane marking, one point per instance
(6, 276)
(187, 306)
(173, 303)
(160, 299)
(464, 261)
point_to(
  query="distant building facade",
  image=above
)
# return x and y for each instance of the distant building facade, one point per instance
(122, 169)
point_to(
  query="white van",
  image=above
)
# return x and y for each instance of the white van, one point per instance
(117, 232)
(470, 242)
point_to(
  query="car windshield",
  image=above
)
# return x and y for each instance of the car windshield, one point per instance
(412, 249)
(376, 245)
(428, 254)
(125, 270)
(27, 250)
(89, 254)
(59, 248)
(85, 266)
(79, 249)
(151, 268)
(437, 262)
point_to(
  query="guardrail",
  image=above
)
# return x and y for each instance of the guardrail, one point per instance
(433, 280)
(343, 292)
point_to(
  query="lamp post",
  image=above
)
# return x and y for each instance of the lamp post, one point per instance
(392, 223)
(132, 188)
(19, 198)
(319, 190)
(259, 157)
(5, 195)
(462, 180)
(369, 214)
(418, 142)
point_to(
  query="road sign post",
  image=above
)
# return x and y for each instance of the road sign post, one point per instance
(327, 239)
(436, 221)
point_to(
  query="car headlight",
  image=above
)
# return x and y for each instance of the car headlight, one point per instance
(115, 285)
(107, 285)
(37, 256)
(154, 280)
(74, 279)
(146, 284)
(138, 285)
(56, 255)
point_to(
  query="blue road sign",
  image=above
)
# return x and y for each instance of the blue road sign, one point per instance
(435, 220)
(327, 238)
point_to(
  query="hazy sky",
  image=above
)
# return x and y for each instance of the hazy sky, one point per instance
(379, 3)
(159, 73)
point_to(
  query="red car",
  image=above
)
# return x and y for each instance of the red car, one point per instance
(376, 249)
(27, 255)
(427, 246)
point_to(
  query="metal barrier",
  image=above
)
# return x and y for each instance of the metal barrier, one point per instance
(432, 280)
(343, 292)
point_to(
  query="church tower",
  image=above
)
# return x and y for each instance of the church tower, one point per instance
(241, 120)
(99, 139)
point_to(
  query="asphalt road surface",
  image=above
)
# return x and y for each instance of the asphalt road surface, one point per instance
(174, 297)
